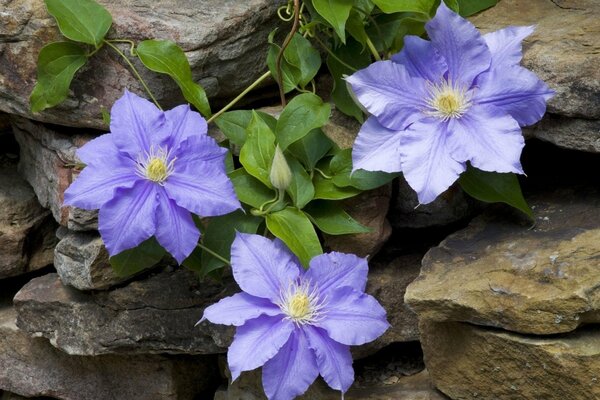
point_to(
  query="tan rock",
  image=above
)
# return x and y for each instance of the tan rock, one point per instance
(471, 362)
(569, 133)
(501, 272)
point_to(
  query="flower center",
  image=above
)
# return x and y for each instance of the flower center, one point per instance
(156, 165)
(299, 306)
(301, 303)
(447, 100)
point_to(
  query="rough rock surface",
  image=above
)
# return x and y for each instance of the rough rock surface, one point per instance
(569, 133)
(154, 315)
(220, 38)
(504, 273)
(471, 362)
(32, 367)
(564, 50)
(81, 261)
(46, 162)
(370, 209)
(26, 229)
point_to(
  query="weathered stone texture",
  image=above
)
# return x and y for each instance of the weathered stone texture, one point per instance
(154, 315)
(569, 133)
(225, 42)
(501, 273)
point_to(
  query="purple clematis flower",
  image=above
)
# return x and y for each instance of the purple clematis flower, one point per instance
(296, 323)
(149, 174)
(439, 104)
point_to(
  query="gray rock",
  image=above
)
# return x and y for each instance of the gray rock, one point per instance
(47, 160)
(26, 229)
(569, 133)
(30, 366)
(225, 42)
(155, 315)
(81, 261)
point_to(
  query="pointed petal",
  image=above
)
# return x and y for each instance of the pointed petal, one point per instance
(506, 45)
(256, 342)
(516, 91)
(239, 308)
(426, 162)
(376, 148)
(333, 270)
(421, 59)
(353, 318)
(100, 151)
(137, 124)
(129, 218)
(489, 139)
(389, 93)
(175, 228)
(460, 44)
(184, 123)
(202, 188)
(291, 371)
(260, 267)
(333, 359)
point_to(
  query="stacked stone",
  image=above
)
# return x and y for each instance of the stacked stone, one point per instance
(507, 309)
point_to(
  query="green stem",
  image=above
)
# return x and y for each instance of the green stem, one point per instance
(323, 174)
(373, 50)
(332, 54)
(131, 43)
(240, 96)
(135, 72)
(212, 253)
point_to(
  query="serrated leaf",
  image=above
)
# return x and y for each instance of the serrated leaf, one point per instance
(470, 7)
(57, 64)
(294, 228)
(165, 57)
(130, 262)
(303, 114)
(494, 187)
(311, 148)
(335, 12)
(250, 190)
(257, 153)
(301, 189)
(83, 21)
(330, 218)
(394, 6)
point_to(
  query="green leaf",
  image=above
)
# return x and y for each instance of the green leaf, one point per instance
(311, 148)
(452, 4)
(303, 114)
(165, 57)
(494, 187)
(291, 75)
(335, 12)
(301, 190)
(233, 124)
(130, 262)
(105, 116)
(394, 6)
(250, 190)
(294, 228)
(83, 21)
(332, 219)
(301, 54)
(341, 169)
(257, 153)
(470, 7)
(325, 189)
(57, 64)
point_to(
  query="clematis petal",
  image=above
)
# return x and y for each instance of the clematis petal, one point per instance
(201, 148)
(353, 318)
(376, 148)
(333, 270)
(100, 151)
(184, 123)
(175, 228)
(421, 59)
(129, 218)
(333, 359)
(137, 124)
(291, 371)
(260, 267)
(202, 188)
(505, 45)
(489, 139)
(460, 44)
(387, 91)
(256, 342)
(426, 162)
(239, 308)
(516, 91)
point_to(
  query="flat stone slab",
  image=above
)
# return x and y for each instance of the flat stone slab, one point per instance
(30, 366)
(569, 133)
(473, 362)
(501, 272)
(153, 315)
(225, 42)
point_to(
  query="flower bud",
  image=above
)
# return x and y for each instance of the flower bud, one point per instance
(281, 175)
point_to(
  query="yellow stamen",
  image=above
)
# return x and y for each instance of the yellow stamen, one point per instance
(156, 165)
(302, 303)
(447, 100)
(299, 306)
(156, 170)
